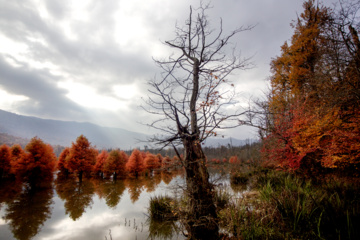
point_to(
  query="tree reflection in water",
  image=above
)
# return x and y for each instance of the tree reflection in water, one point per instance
(112, 192)
(135, 187)
(28, 212)
(76, 195)
(8, 191)
(167, 176)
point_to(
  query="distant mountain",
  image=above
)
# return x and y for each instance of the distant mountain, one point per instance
(64, 132)
(11, 140)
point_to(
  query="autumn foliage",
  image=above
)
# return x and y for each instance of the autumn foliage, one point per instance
(100, 161)
(62, 162)
(115, 163)
(5, 160)
(37, 164)
(135, 164)
(82, 157)
(152, 162)
(313, 107)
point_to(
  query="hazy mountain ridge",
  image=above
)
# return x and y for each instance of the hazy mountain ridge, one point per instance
(62, 133)
(11, 140)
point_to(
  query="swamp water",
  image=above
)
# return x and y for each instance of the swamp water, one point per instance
(95, 209)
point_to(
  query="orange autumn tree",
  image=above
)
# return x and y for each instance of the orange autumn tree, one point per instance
(38, 163)
(115, 163)
(135, 164)
(16, 153)
(100, 161)
(151, 162)
(82, 157)
(166, 163)
(62, 162)
(314, 101)
(5, 160)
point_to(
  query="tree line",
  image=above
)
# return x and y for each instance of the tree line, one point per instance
(37, 162)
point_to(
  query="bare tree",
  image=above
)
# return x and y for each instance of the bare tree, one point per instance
(191, 99)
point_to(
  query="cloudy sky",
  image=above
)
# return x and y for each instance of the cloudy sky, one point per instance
(90, 60)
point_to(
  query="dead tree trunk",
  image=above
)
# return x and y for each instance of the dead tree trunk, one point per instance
(201, 223)
(189, 95)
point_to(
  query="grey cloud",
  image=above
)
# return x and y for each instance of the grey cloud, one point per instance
(45, 98)
(95, 59)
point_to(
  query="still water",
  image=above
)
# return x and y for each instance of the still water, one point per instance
(95, 209)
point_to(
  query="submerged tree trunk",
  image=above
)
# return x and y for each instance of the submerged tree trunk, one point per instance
(201, 223)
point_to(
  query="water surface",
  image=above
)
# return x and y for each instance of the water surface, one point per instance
(95, 209)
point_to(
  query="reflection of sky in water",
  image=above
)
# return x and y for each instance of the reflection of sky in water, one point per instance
(98, 218)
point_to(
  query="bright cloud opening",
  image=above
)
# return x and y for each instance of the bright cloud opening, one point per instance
(8, 100)
(125, 91)
(88, 97)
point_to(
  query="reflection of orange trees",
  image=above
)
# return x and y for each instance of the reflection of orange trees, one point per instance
(135, 187)
(112, 192)
(77, 196)
(99, 165)
(82, 157)
(5, 160)
(98, 189)
(37, 164)
(167, 176)
(9, 190)
(28, 212)
(135, 165)
(115, 163)
(151, 182)
(157, 177)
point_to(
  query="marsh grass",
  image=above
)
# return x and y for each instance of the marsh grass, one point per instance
(279, 206)
(291, 207)
(162, 208)
(164, 216)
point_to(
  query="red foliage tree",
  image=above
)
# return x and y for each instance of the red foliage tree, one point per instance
(37, 164)
(160, 158)
(166, 162)
(151, 162)
(62, 162)
(16, 153)
(233, 160)
(135, 165)
(5, 159)
(100, 161)
(115, 163)
(82, 157)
